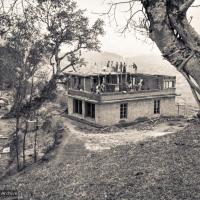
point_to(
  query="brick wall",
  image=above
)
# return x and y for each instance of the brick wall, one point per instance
(109, 114)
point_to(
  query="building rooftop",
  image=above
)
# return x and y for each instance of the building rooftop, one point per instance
(104, 73)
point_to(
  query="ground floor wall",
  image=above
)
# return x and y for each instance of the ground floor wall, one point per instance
(109, 113)
(82, 115)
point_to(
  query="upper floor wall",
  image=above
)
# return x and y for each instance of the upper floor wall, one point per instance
(121, 96)
(120, 82)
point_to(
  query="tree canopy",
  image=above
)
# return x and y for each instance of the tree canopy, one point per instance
(41, 30)
(166, 23)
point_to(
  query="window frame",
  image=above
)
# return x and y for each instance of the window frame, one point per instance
(123, 110)
(157, 106)
(77, 106)
(90, 111)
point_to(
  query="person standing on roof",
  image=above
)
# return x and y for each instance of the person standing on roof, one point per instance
(111, 66)
(134, 66)
(121, 67)
(116, 66)
(108, 64)
(124, 68)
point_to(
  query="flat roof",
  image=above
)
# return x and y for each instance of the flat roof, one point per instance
(82, 74)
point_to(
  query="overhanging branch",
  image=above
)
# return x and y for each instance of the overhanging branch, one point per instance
(185, 7)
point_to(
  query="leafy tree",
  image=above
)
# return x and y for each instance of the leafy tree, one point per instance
(53, 29)
(8, 64)
(24, 41)
(67, 28)
(37, 31)
(166, 23)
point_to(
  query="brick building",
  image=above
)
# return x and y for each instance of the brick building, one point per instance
(110, 98)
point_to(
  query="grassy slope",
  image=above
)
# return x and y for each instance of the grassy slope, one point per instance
(163, 168)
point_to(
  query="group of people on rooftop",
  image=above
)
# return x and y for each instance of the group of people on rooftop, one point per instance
(120, 66)
(129, 86)
(100, 88)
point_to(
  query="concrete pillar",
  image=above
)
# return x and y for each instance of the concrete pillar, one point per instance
(71, 82)
(118, 79)
(104, 80)
(131, 77)
(126, 78)
(91, 82)
(84, 85)
(97, 114)
(117, 86)
(83, 109)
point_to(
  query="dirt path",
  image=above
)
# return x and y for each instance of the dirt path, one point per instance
(99, 142)
(78, 142)
(72, 147)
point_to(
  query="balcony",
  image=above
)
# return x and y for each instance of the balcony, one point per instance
(84, 94)
(120, 96)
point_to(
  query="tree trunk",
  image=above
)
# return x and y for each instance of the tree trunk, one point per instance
(176, 39)
(35, 144)
(31, 93)
(24, 145)
(17, 143)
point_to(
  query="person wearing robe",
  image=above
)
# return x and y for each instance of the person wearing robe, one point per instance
(121, 67)
(116, 66)
(108, 64)
(124, 68)
(98, 89)
(134, 66)
(140, 84)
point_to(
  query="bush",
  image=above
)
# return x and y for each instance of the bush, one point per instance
(57, 138)
(62, 100)
(47, 124)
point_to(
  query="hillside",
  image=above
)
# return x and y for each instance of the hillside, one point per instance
(165, 167)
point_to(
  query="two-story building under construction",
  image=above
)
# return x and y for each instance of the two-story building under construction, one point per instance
(110, 98)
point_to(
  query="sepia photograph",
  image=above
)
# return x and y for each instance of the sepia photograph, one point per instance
(99, 99)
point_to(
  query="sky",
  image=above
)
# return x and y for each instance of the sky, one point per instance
(128, 44)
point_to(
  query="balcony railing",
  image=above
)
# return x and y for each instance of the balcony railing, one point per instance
(109, 96)
(85, 94)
